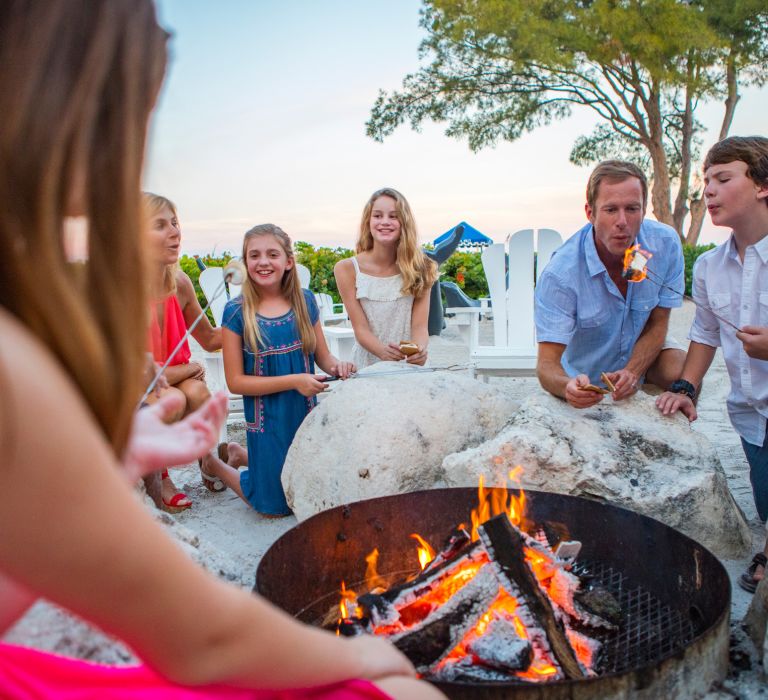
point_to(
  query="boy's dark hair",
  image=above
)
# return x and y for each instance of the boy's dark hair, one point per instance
(752, 150)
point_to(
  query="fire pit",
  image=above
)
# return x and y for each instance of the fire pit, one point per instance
(674, 596)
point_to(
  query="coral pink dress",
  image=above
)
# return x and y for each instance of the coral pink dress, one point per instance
(162, 342)
(29, 674)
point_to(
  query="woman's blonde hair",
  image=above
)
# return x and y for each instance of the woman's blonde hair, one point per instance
(153, 205)
(79, 79)
(418, 271)
(290, 286)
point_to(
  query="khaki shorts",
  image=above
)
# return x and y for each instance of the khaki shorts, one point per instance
(671, 344)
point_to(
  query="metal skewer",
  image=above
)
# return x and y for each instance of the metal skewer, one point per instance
(651, 275)
(233, 274)
(413, 370)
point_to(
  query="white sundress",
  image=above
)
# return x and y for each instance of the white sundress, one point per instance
(387, 309)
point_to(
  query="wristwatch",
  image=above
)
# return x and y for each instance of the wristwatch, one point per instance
(681, 386)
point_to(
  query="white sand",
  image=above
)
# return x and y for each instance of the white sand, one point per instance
(242, 536)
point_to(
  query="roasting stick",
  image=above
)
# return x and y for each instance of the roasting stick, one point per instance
(636, 270)
(413, 370)
(655, 279)
(233, 274)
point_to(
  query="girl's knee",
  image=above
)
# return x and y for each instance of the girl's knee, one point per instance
(197, 394)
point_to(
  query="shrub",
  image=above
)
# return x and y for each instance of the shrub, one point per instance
(320, 262)
(690, 253)
(466, 269)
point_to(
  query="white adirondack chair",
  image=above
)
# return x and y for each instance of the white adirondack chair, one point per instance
(210, 279)
(511, 275)
(330, 313)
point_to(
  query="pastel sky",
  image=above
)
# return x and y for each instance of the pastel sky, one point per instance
(262, 119)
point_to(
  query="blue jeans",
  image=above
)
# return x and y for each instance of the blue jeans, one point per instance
(758, 474)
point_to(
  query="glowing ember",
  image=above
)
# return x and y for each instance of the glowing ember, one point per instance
(635, 263)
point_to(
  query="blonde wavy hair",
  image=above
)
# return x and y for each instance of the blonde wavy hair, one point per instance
(290, 286)
(79, 79)
(418, 271)
(153, 205)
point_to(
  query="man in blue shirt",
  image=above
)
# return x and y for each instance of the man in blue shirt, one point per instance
(589, 318)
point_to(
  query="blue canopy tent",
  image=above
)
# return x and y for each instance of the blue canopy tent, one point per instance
(472, 238)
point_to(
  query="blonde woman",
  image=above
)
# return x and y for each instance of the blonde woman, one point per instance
(78, 80)
(386, 286)
(173, 308)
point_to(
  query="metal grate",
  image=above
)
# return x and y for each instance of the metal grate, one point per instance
(649, 631)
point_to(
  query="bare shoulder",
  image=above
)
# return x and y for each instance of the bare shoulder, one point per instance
(185, 290)
(183, 283)
(32, 384)
(344, 268)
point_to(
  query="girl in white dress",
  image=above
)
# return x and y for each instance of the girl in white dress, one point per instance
(385, 287)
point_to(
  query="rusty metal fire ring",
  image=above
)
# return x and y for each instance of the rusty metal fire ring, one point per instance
(678, 591)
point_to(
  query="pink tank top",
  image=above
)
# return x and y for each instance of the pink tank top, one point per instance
(29, 674)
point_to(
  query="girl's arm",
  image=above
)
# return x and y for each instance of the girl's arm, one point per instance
(204, 333)
(244, 384)
(327, 362)
(420, 328)
(68, 516)
(344, 272)
(175, 374)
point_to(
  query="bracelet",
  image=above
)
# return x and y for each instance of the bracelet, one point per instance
(681, 386)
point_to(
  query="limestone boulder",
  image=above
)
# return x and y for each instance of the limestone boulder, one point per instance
(384, 435)
(625, 453)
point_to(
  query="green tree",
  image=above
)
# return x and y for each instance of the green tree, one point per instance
(496, 69)
(320, 262)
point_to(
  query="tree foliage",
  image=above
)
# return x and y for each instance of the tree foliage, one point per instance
(496, 69)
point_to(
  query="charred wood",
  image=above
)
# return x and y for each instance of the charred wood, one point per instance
(505, 545)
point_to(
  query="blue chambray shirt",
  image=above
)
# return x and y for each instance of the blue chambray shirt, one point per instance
(579, 306)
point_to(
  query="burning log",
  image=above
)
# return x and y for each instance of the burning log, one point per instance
(506, 548)
(448, 624)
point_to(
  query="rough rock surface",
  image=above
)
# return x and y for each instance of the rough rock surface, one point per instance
(379, 436)
(625, 453)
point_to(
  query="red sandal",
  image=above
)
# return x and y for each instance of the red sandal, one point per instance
(174, 505)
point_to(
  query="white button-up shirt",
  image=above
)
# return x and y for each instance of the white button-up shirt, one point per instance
(737, 291)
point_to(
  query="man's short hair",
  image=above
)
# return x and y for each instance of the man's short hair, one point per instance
(752, 150)
(617, 171)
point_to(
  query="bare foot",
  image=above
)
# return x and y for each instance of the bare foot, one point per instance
(238, 455)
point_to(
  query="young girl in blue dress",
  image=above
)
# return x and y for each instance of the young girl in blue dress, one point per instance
(272, 339)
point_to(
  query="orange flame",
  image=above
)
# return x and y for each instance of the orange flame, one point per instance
(348, 598)
(635, 263)
(425, 553)
(492, 502)
(372, 579)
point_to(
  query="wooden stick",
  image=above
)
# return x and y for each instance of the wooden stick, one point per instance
(506, 547)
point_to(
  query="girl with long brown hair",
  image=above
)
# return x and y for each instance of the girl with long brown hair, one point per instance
(78, 79)
(272, 339)
(385, 287)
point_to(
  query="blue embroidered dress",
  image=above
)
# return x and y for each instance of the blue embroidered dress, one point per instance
(273, 419)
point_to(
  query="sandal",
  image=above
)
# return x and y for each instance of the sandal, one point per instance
(211, 482)
(223, 452)
(747, 580)
(174, 505)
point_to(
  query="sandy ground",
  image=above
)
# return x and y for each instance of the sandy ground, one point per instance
(241, 536)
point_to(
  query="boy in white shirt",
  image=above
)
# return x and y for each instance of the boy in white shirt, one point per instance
(732, 280)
